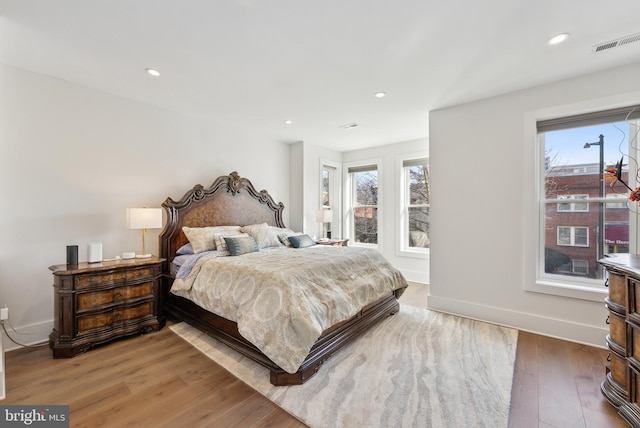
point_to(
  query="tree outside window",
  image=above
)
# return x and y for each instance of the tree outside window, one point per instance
(416, 173)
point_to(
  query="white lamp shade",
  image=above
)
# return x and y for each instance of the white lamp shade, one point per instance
(324, 216)
(144, 218)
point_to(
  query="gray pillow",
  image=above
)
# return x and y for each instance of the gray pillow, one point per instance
(241, 245)
(301, 241)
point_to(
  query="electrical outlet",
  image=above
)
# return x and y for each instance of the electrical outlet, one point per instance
(4, 313)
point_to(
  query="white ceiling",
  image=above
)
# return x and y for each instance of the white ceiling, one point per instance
(255, 63)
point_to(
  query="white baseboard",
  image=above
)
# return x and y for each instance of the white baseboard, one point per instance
(560, 329)
(416, 276)
(33, 334)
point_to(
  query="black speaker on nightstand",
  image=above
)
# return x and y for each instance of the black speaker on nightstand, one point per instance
(72, 254)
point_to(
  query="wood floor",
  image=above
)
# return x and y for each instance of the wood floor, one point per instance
(158, 380)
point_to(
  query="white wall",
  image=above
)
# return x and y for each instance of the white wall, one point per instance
(305, 185)
(73, 159)
(414, 269)
(483, 211)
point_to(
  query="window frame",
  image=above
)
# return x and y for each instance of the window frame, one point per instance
(402, 225)
(574, 270)
(572, 236)
(335, 196)
(349, 187)
(533, 172)
(572, 205)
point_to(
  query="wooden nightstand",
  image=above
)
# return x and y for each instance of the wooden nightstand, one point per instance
(98, 302)
(334, 242)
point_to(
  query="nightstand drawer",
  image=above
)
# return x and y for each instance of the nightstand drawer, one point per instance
(91, 322)
(137, 274)
(102, 279)
(113, 278)
(98, 299)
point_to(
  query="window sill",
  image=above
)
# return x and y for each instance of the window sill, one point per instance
(566, 289)
(413, 254)
(361, 244)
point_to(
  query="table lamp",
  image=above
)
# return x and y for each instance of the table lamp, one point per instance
(144, 218)
(325, 216)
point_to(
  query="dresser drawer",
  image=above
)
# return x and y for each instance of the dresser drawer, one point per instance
(619, 369)
(618, 332)
(92, 322)
(618, 288)
(634, 380)
(633, 300)
(97, 299)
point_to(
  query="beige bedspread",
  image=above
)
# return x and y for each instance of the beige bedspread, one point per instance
(283, 298)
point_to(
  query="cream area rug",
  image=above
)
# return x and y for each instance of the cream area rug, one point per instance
(418, 368)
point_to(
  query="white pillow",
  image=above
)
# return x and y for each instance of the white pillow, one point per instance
(263, 234)
(203, 238)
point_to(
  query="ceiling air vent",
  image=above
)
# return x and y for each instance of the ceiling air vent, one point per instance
(618, 42)
(349, 126)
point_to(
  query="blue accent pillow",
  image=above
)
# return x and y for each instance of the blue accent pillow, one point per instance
(241, 245)
(301, 241)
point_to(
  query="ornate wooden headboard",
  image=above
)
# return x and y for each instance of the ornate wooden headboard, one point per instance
(230, 200)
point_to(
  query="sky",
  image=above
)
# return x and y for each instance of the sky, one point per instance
(568, 145)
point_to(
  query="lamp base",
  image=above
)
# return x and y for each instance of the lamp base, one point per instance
(143, 256)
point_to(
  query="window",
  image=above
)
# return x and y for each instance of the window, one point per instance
(363, 204)
(326, 187)
(415, 207)
(577, 267)
(620, 197)
(329, 199)
(573, 206)
(573, 236)
(581, 219)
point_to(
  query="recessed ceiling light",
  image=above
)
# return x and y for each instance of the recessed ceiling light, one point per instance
(380, 94)
(153, 72)
(559, 38)
(288, 122)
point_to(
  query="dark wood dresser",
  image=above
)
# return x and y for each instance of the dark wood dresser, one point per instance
(98, 302)
(621, 386)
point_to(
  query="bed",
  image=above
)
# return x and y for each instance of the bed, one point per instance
(233, 201)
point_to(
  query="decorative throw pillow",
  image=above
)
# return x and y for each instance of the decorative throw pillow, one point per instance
(263, 235)
(221, 244)
(301, 241)
(284, 238)
(203, 238)
(238, 245)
